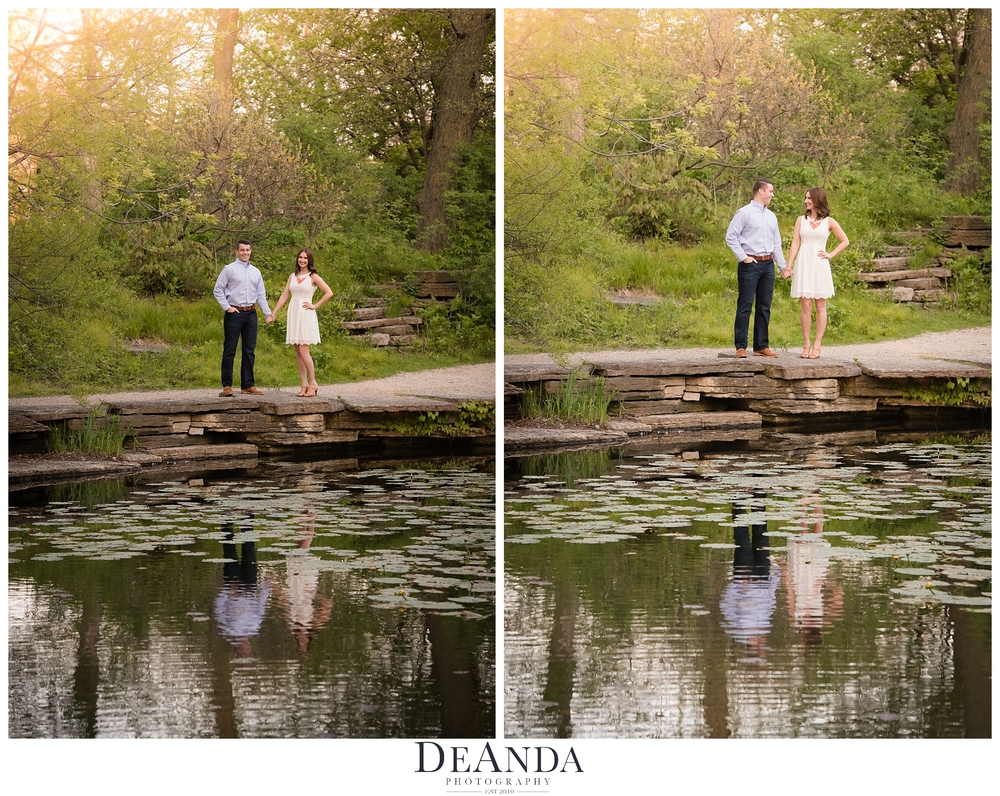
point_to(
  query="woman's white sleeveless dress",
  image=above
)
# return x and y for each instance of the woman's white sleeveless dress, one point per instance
(303, 325)
(811, 277)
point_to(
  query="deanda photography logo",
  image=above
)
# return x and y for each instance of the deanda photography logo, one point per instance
(500, 767)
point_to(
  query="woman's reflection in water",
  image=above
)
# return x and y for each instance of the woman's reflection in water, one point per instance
(305, 609)
(813, 602)
(747, 603)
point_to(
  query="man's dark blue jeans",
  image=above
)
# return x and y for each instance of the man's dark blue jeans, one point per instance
(237, 326)
(756, 281)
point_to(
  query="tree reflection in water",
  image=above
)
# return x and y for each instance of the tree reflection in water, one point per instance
(359, 604)
(773, 589)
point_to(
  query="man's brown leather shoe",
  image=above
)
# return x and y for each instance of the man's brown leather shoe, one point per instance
(741, 353)
(764, 352)
(227, 392)
(252, 391)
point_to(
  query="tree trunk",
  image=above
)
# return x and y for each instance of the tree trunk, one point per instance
(453, 118)
(966, 167)
(225, 45)
(91, 193)
(220, 106)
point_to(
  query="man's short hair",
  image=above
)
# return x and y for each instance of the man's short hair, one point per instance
(761, 182)
(247, 243)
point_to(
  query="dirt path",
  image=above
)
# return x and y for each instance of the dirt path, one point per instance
(964, 345)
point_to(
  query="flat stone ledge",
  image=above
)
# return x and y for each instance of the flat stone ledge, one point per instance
(154, 406)
(197, 453)
(559, 437)
(915, 368)
(692, 421)
(21, 424)
(382, 404)
(631, 301)
(630, 427)
(517, 374)
(302, 406)
(786, 407)
(812, 369)
(677, 367)
(45, 470)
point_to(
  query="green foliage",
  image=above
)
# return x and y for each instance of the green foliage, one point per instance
(369, 252)
(575, 400)
(971, 284)
(471, 206)
(128, 189)
(98, 434)
(952, 392)
(473, 418)
(458, 327)
(652, 202)
(889, 200)
(478, 414)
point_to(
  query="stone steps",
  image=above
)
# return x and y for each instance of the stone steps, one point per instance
(431, 287)
(971, 232)
(930, 283)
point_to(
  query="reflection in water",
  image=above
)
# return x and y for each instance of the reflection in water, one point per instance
(562, 658)
(761, 592)
(306, 610)
(242, 600)
(747, 603)
(358, 604)
(87, 673)
(812, 602)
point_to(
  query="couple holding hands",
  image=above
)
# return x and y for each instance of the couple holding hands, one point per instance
(754, 238)
(240, 289)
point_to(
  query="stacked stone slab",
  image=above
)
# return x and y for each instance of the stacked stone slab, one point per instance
(733, 397)
(370, 320)
(907, 284)
(968, 232)
(431, 287)
(194, 429)
(929, 283)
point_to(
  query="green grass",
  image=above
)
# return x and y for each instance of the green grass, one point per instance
(97, 434)
(568, 309)
(96, 361)
(577, 401)
(570, 259)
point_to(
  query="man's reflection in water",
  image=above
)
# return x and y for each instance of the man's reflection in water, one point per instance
(812, 603)
(240, 604)
(747, 603)
(306, 611)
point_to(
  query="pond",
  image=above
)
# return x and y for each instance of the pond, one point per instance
(291, 600)
(791, 586)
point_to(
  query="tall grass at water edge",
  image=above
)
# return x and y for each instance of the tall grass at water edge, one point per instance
(574, 401)
(98, 434)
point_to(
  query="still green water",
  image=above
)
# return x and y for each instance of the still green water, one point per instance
(294, 600)
(795, 586)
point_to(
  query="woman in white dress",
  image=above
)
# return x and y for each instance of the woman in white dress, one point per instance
(303, 325)
(810, 273)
